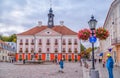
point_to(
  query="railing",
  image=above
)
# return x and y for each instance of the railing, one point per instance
(47, 43)
(115, 41)
(56, 43)
(63, 43)
(75, 43)
(32, 43)
(26, 43)
(20, 51)
(21, 43)
(40, 43)
(76, 51)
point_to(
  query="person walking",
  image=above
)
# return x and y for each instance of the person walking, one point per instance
(61, 63)
(109, 65)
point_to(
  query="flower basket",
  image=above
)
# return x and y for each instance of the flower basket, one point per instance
(84, 34)
(102, 33)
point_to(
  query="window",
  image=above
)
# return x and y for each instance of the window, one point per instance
(40, 57)
(69, 50)
(63, 42)
(32, 50)
(20, 49)
(75, 56)
(69, 56)
(39, 50)
(47, 49)
(63, 49)
(26, 57)
(21, 42)
(40, 42)
(56, 42)
(69, 42)
(26, 42)
(32, 43)
(26, 50)
(75, 41)
(48, 42)
(56, 50)
(32, 57)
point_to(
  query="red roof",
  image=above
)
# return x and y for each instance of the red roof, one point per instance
(60, 29)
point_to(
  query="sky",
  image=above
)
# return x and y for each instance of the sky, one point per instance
(17, 16)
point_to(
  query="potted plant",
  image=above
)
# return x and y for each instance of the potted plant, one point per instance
(70, 60)
(102, 33)
(84, 34)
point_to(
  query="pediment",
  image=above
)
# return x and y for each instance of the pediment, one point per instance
(48, 32)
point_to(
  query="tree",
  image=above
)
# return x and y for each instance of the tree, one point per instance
(11, 38)
(82, 47)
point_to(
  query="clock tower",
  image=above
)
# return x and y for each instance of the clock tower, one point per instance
(50, 18)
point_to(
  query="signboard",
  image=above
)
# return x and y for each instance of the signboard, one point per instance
(92, 39)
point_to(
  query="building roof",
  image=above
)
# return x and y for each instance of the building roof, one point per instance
(60, 29)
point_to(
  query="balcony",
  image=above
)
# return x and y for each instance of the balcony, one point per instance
(56, 43)
(76, 51)
(26, 51)
(75, 43)
(56, 51)
(20, 51)
(115, 41)
(69, 43)
(26, 43)
(47, 43)
(39, 51)
(40, 43)
(32, 43)
(21, 43)
(70, 51)
(63, 51)
(63, 43)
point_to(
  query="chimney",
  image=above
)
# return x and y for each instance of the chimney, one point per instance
(39, 23)
(61, 23)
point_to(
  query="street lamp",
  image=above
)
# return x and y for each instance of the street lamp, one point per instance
(92, 23)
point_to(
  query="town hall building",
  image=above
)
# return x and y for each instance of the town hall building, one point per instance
(48, 42)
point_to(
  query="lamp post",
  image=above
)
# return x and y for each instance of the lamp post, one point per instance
(92, 23)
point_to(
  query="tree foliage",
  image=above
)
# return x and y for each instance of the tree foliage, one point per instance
(11, 38)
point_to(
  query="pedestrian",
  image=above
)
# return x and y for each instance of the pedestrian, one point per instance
(109, 65)
(61, 63)
(24, 61)
(103, 63)
(80, 62)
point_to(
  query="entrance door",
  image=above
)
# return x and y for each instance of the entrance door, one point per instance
(48, 57)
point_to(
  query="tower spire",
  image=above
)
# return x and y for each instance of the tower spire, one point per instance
(50, 16)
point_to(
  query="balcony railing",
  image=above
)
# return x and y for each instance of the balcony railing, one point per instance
(56, 43)
(39, 51)
(56, 51)
(20, 51)
(63, 43)
(75, 43)
(47, 43)
(69, 51)
(40, 43)
(26, 51)
(115, 41)
(32, 43)
(21, 43)
(64, 51)
(26, 43)
(69, 43)
(76, 51)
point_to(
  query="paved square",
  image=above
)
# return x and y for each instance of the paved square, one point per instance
(71, 70)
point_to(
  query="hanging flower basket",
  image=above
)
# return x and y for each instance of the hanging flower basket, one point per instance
(84, 34)
(102, 33)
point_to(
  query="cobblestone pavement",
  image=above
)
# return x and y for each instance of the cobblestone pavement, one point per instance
(71, 70)
(103, 73)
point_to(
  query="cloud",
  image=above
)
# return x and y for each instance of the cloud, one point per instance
(19, 15)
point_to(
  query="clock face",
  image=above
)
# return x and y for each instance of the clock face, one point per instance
(50, 23)
(50, 18)
(48, 32)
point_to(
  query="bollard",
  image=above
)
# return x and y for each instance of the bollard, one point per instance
(94, 73)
